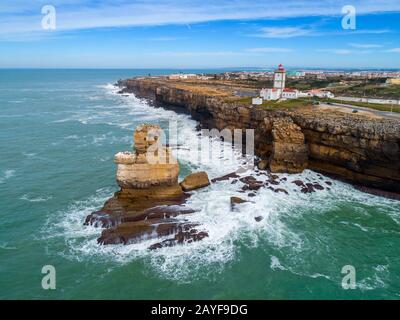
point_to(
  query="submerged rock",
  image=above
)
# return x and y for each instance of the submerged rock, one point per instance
(235, 201)
(186, 235)
(232, 175)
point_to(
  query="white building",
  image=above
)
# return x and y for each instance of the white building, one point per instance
(320, 94)
(182, 76)
(270, 94)
(277, 91)
(257, 101)
(290, 94)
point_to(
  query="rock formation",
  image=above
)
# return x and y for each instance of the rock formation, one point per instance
(150, 198)
(289, 153)
(151, 171)
(195, 181)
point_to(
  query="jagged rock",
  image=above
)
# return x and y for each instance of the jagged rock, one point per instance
(185, 235)
(232, 175)
(251, 183)
(263, 165)
(298, 183)
(308, 188)
(281, 190)
(133, 232)
(317, 186)
(195, 181)
(289, 152)
(235, 201)
(258, 219)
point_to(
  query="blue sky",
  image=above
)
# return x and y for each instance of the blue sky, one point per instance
(199, 34)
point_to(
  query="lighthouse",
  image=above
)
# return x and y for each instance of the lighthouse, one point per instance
(279, 91)
(280, 78)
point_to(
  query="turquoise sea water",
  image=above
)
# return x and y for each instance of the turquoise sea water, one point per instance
(59, 131)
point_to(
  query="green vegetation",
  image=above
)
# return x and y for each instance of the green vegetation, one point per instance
(285, 104)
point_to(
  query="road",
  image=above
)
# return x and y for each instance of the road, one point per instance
(384, 114)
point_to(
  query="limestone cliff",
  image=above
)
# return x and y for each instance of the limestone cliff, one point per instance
(354, 148)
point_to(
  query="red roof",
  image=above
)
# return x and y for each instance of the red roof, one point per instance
(281, 68)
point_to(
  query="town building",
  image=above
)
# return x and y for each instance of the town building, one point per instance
(182, 76)
(320, 94)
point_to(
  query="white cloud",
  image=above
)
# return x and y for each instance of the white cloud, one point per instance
(284, 32)
(196, 53)
(337, 51)
(394, 50)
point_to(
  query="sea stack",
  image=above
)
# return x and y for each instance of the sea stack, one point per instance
(150, 198)
(150, 171)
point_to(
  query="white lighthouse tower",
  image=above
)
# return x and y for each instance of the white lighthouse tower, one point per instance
(280, 78)
(279, 91)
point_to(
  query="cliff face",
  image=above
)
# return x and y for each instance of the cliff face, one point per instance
(354, 148)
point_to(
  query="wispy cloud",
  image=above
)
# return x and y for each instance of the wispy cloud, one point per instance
(165, 38)
(284, 32)
(394, 50)
(337, 51)
(196, 53)
(365, 45)
(269, 50)
(340, 51)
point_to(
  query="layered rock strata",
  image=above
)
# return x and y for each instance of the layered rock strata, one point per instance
(150, 199)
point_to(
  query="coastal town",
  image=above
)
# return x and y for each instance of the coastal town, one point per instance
(377, 92)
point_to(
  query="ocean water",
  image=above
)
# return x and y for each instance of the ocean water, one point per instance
(59, 131)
